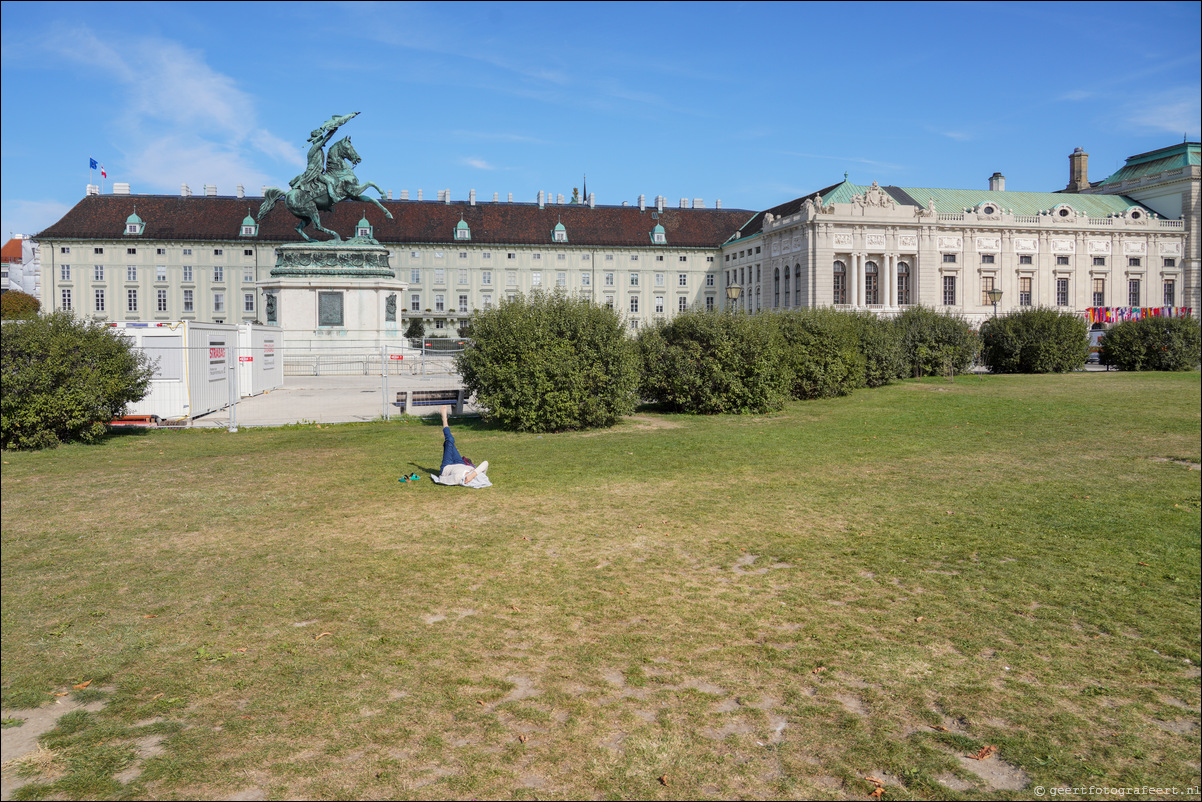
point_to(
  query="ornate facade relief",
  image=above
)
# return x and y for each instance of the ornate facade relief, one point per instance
(875, 197)
(874, 241)
(843, 240)
(1170, 248)
(1064, 246)
(1135, 247)
(989, 244)
(1097, 247)
(907, 242)
(1025, 245)
(950, 243)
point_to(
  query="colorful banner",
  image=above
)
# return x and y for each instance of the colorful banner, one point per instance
(1117, 314)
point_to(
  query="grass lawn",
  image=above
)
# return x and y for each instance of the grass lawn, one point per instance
(781, 606)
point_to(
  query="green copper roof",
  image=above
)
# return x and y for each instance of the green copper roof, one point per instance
(461, 224)
(133, 219)
(954, 201)
(363, 223)
(559, 227)
(249, 221)
(1187, 154)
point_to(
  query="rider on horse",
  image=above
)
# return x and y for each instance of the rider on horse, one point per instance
(315, 172)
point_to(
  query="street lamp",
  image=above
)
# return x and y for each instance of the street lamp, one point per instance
(733, 291)
(994, 296)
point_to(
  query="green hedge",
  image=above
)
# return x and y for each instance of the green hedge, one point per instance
(1154, 343)
(64, 379)
(709, 363)
(547, 363)
(1036, 340)
(935, 343)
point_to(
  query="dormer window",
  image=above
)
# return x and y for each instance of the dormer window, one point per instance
(462, 231)
(249, 227)
(560, 234)
(363, 228)
(658, 236)
(134, 225)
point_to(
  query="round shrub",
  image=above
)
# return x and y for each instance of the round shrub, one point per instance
(1035, 341)
(17, 305)
(935, 343)
(1154, 343)
(709, 362)
(821, 351)
(548, 363)
(880, 344)
(64, 379)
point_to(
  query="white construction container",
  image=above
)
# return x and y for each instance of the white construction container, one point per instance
(195, 366)
(260, 362)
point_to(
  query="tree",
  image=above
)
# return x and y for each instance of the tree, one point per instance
(416, 328)
(548, 363)
(17, 305)
(1153, 343)
(64, 379)
(1035, 341)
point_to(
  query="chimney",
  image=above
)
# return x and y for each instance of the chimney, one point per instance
(210, 190)
(404, 194)
(263, 191)
(496, 197)
(592, 200)
(1078, 171)
(390, 194)
(642, 203)
(93, 189)
(698, 203)
(540, 199)
(660, 200)
(997, 183)
(121, 189)
(241, 191)
(446, 196)
(511, 197)
(471, 197)
(185, 191)
(718, 203)
(684, 203)
(559, 198)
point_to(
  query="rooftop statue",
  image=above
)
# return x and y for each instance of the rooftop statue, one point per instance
(328, 179)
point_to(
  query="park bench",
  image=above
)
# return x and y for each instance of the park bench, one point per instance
(413, 400)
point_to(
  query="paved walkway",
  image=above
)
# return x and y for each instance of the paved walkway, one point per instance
(329, 399)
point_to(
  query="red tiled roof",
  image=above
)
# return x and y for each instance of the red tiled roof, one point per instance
(220, 219)
(11, 252)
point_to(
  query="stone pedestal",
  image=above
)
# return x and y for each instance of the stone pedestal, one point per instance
(334, 295)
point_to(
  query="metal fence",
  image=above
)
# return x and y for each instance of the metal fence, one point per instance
(426, 357)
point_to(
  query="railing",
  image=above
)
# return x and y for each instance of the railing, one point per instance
(1101, 221)
(1028, 219)
(951, 218)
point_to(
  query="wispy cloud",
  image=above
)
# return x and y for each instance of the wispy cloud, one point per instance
(479, 164)
(30, 217)
(182, 120)
(1175, 111)
(846, 159)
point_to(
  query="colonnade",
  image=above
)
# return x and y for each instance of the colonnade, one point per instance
(886, 278)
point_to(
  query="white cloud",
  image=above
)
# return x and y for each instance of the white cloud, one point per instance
(30, 217)
(479, 164)
(1175, 111)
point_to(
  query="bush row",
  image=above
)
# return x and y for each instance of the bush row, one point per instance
(1153, 343)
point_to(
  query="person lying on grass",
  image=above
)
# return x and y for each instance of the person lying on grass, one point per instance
(456, 470)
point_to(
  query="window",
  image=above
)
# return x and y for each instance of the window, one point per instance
(561, 279)
(682, 304)
(218, 274)
(188, 305)
(463, 233)
(1024, 260)
(709, 279)
(757, 249)
(536, 278)
(659, 304)
(986, 288)
(511, 278)
(462, 276)
(248, 275)
(903, 283)
(160, 273)
(609, 257)
(463, 304)
(487, 301)
(634, 279)
(1133, 294)
(1062, 260)
(709, 300)
(586, 257)
(586, 280)
(1061, 292)
(486, 277)
(949, 258)
(511, 256)
(709, 258)
(609, 279)
(949, 290)
(659, 279)
(797, 285)
(248, 302)
(131, 300)
(160, 251)
(440, 303)
(486, 255)
(98, 250)
(560, 236)
(187, 272)
(219, 302)
(1099, 261)
(683, 259)
(634, 257)
(438, 254)
(99, 299)
(440, 276)
(986, 258)
(871, 294)
(1170, 292)
(609, 302)
(64, 272)
(132, 251)
(415, 276)
(131, 272)
(248, 252)
(415, 255)
(1024, 290)
(1133, 261)
(776, 287)
(187, 252)
(840, 283)
(98, 273)
(65, 249)
(634, 304)
(66, 299)
(161, 300)
(1170, 262)
(218, 252)
(1099, 292)
(415, 303)
(682, 280)
(463, 254)
(659, 258)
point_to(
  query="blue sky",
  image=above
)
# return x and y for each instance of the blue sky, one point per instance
(753, 104)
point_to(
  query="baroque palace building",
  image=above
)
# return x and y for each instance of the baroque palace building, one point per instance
(145, 258)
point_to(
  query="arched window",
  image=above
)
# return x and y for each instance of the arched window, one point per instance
(776, 288)
(840, 283)
(786, 286)
(871, 288)
(797, 285)
(903, 284)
